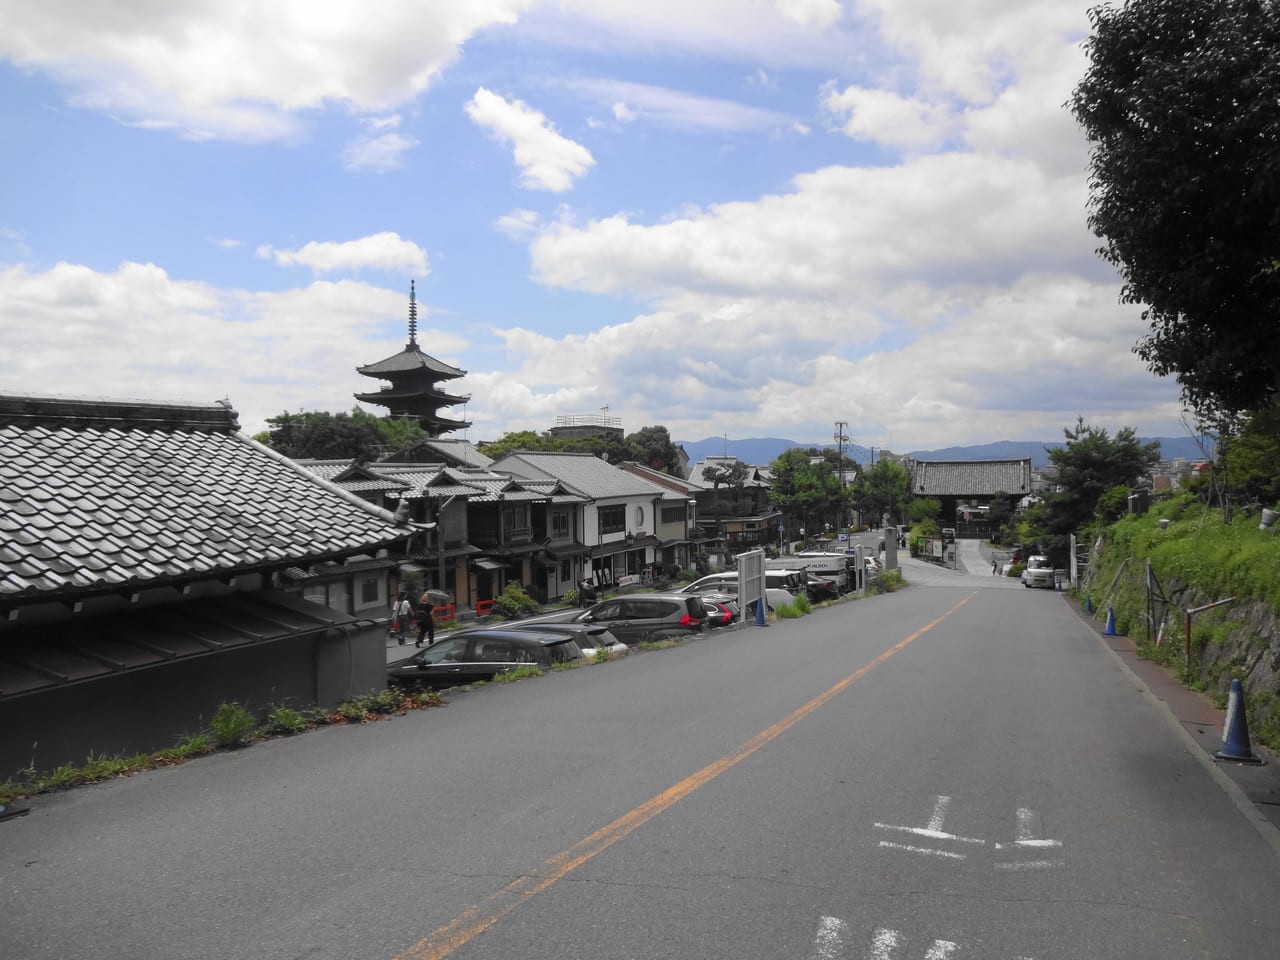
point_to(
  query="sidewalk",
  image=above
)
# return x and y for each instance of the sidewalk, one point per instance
(1257, 787)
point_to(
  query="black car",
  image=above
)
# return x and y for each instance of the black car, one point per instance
(475, 655)
(642, 617)
(820, 588)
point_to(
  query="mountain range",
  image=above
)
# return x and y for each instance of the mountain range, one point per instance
(761, 451)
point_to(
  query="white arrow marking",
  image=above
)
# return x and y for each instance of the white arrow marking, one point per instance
(828, 942)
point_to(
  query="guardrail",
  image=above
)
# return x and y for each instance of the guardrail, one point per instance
(483, 607)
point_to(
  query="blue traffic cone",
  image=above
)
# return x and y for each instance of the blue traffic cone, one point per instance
(1235, 732)
(760, 613)
(1110, 630)
(1088, 604)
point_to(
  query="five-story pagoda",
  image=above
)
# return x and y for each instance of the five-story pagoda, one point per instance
(413, 392)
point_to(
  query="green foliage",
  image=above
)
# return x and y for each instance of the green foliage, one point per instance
(1255, 458)
(923, 510)
(325, 436)
(651, 446)
(808, 494)
(232, 724)
(884, 489)
(282, 721)
(195, 745)
(514, 604)
(353, 711)
(1181, 103)
(519, 673)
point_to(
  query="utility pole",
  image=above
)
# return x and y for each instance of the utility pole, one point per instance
(841, 439)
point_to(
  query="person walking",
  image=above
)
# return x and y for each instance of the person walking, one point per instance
(400, 614)
(995, 567)
(426, 622)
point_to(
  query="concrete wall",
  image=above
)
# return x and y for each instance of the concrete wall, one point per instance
(154, 708)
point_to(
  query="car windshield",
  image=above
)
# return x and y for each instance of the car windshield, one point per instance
(1038, 563)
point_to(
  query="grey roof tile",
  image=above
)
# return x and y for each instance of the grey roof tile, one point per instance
(101, 494)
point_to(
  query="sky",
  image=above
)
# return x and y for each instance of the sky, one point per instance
(731, 218)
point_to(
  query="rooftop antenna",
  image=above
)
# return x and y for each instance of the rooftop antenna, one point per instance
(413, 318)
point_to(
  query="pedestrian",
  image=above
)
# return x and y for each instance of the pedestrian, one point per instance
(426, 622)
(400, 614)
(995, 567)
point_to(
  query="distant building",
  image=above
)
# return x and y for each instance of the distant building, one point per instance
(577, 426)
(414, 392)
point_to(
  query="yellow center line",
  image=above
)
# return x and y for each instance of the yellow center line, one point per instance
(480, 917)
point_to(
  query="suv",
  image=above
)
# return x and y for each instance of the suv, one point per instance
(1038, 573)
(641, 617)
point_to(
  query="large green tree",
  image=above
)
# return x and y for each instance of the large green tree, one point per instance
(1181, 103)
(807, 493)
(883, 489)
(1092, 465)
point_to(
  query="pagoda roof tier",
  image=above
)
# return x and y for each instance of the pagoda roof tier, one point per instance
(411, 360)
(387, 395)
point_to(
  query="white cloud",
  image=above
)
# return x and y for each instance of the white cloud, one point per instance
(677, 109)
(380, 148)
(518, 224)
(623, 113)
(547, 160)
(239, 68)
(177, 340)
(381, 251)
(890, 119)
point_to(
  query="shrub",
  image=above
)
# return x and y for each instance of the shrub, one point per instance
(283, 721)
(352, 711)
(514, 604)
(232, 724)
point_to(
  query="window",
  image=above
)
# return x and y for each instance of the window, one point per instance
(612, 519)
(674, 514)
(369, 590)
(560, 524)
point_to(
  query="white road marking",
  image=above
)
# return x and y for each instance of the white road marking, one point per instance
(828, 942)
(940, 950)
(883, 943)
(937, 853)
(939, 813)
(1030, 865)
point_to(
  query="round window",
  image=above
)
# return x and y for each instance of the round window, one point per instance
(639, 515)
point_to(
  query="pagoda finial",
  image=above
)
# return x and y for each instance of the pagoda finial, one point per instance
(413, 317)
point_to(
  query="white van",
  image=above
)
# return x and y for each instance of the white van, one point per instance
(781, 587)
(828, 566)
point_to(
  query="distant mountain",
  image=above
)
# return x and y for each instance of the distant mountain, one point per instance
(762, 451)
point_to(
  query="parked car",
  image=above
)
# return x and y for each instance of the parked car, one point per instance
(874, 566)
(590, 637)
(820, 588)
(722, 609)
(1038, 573)
(640, 617)
(481, 654)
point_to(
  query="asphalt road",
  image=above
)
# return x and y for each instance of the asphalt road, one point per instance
(959, 769)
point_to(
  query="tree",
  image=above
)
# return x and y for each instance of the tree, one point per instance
(806, 493)
(884, 489)
(324, 436)
(731, 474)
(652, 446)
(1181, 102)
(1090, 464)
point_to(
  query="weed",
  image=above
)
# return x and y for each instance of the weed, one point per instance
(570, 664)
(352, 711)
(282, 721)
(232, 724)
(519, 673)
(196, 745)
(666, 644)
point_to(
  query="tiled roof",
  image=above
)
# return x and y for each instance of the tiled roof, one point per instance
(753, 477)
(970, 478)
(449, 450)
(411, 358)
(596, 478)
(326, 469)
(97, 495)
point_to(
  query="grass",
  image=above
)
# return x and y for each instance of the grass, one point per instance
(1196, 552)
(519, 673)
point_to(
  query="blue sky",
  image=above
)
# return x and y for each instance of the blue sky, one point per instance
(729, 217)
